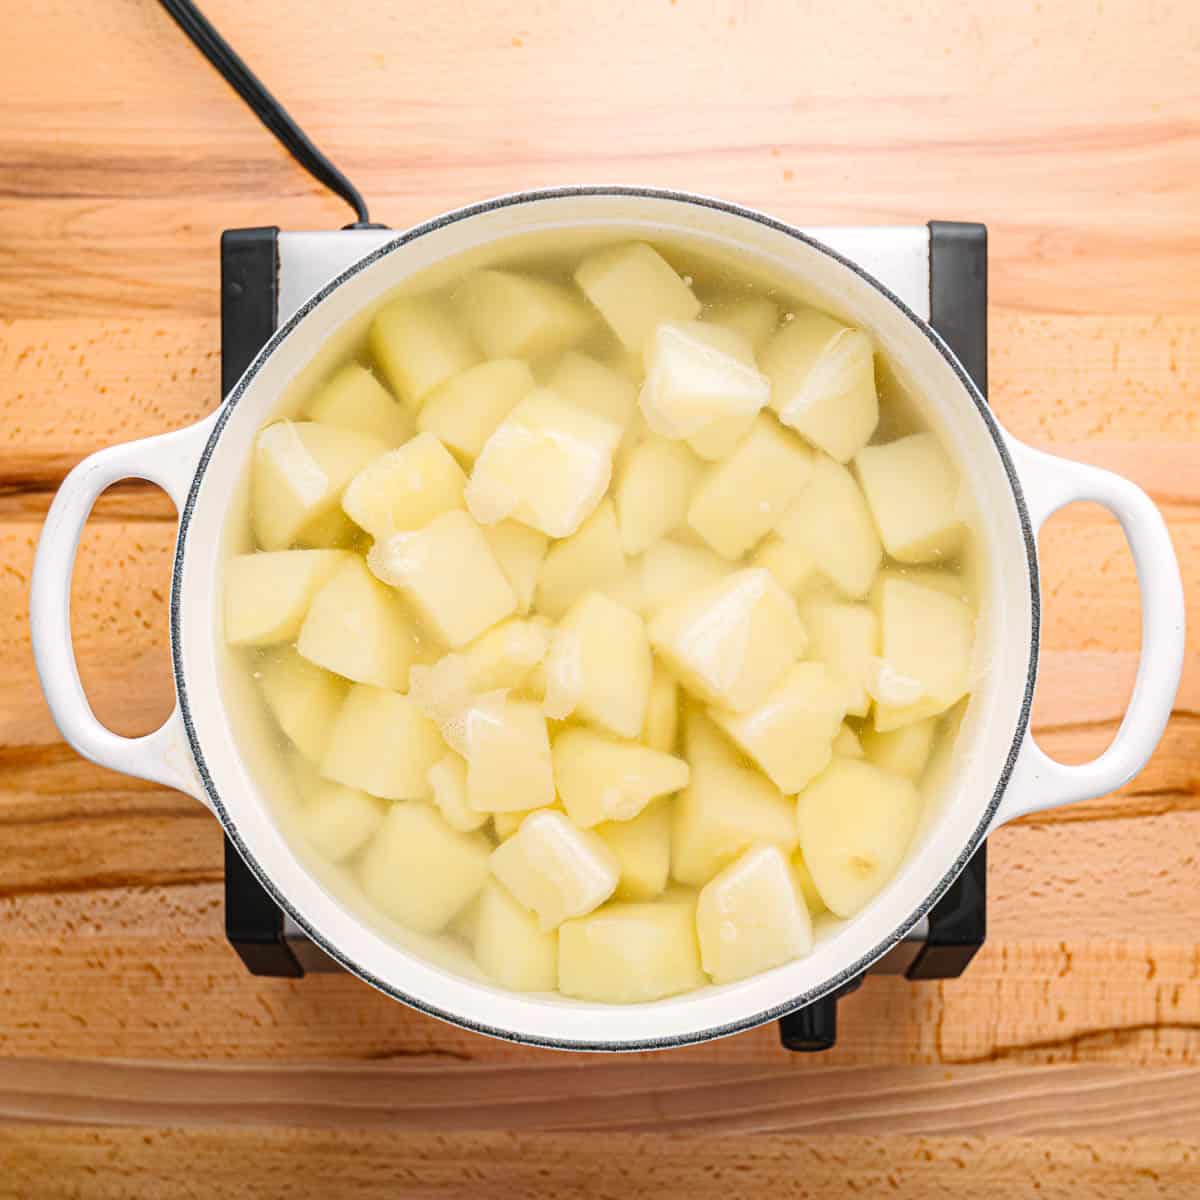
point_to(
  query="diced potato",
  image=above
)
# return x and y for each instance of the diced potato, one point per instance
(755, 317)
(417, 343)
(449, 574)
(590, 560)
(330, 531)
(904, 751)
(304, 699)
(448, 782)
(741, 499)
(421, 872)
(520, 316)
(790, 735)
(855, 823)
(357, 628)
(605, 779)
(505, 824)
(353, 398)
(267, 595)
(720, 438)
(406, 488)
(847, 743)
(631, 953)
(823, 382)
(509, 768)
(912, 489)
(808, 889)
(752, 917)
(831, 523)
(662, 712)
(554, 869)
(338, 821)
(596, 387)
(703, 741)
(464, 411)
(300, 471)
(464, 922)
(787, 560)
(636, 290)
(548, 465)
(671, 569)
(845, 637)
(653, 491)
(732, 642)
(642, 848)
(510, 947)
(383, 744)
(949, 583)
(505, 655)
(519, 550)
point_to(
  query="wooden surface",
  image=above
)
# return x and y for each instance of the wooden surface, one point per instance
(140, 1059)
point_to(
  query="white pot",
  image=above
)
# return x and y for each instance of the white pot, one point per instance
(997, 771)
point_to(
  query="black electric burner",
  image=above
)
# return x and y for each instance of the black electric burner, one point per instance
(939, 270)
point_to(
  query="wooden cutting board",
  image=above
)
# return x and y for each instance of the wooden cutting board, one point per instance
(140, 1058)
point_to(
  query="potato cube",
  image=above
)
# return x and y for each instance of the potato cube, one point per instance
(505, 655)
(509, 768)
(653, 491)
(548, 465)
(382, 743)
(642, 848)
(831, 524)
(904, 751)
(720, 438)
(554, 869)
(755, 317)
(449, 574)
(512, 315)
(267, 594)
(670, 570)
(354, 399)
(662, 712)
(421, 872)
(510, 947)
(741, 499)
(808, 889)
(303, 699)
(405, 488)
(732, 642)
(787, 560)
(464, 922)
(630, 953)
(464, 411)
(855, 823)
(752, 916)
(847, 743)
(300, 471)
(703, 741)
(595, 387)
(912, 489)
(590, 560)
(330, 531)
(338, 821)
(636, 290)
(845, 637)
(823, 382)
(519, 550)
(505, 824)
(448, 782)
(418, 343)
(357, 628)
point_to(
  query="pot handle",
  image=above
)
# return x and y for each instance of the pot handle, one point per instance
(168, 460)
(1038, 782)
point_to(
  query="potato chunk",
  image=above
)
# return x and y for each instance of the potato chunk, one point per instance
(554, 869)
(653, 491)
(590, 560)
(808, 889)
(643, 850)
(855, 823)
(823, 382)
(509, 946)
(421, 872)
(417, 343)
(300, 471)
(448, 782)
(331, 531)
(599, 389)
(662, 712)
(636, 290)
(267, 595)
(512, 315)
(338, 821)
(303, 699)
(670, 569)
(752, 917)
(354, 399)
(509, 768)
(847, 743)
(755, 317)
(519, 550)
(912, 489)
(464, 411)
(790, 563)
(845, 637)
(904, 751)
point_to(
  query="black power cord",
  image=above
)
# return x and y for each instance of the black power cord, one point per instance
(264, 106)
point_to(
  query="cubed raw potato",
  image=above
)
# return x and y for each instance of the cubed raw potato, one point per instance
(383, 744)
(602, 778)
(631, 953)
(790, 735)
(547, 465)
(419, 871)
(449, 574)
(845, 637)
(912, 489)
(509, 768)
(596, 387)
(268, 594)
(464, 411)
(751, 917)
(405, 488)
(732, 642)
(505, 824)
(926, 645)
(635, 289)
(464, 922)
(830, 522)
(300, 471)
(512, 315)
(823, 382)
(509, 945)
(653, 491)
(418, 343)
(720, 438)
(949, 583)
(671, 569)
(303, 699)
(662, 712)
(338, 821)
(599, 667)
(848, 744)
(353, 398)
(855, 823)
(755, 317)
(808, 889)
(357, 628)
(448, 782)
(519, 550)
(904, 751)
(590, 560)
(703, 741)
(642, 848)
(741, 499)
(554, 869)
(330, 531)
(698, 374)
(505, 655)
(787, 560)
